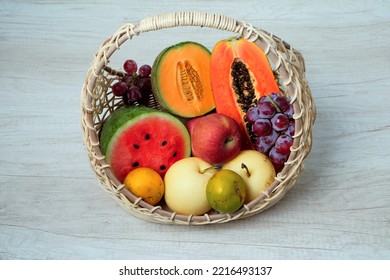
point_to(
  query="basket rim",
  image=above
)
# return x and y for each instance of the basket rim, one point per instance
(266, 41)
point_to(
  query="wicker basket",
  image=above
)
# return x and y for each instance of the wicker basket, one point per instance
(98, 102)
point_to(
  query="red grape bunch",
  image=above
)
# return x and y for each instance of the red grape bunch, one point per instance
(134, 86)
(272, 127)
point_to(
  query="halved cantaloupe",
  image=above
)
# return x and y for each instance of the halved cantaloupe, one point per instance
(181, 79)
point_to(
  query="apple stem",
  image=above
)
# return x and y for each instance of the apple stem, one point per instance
(228, 140)
(246, 168)
(207, 169)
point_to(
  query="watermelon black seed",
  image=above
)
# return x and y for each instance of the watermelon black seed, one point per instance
(136, 146)
(135, 164)
(163, 143)
(162, 167)
(174, 154)
(147, 136)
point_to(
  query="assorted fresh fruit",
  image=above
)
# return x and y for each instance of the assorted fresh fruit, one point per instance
(225, 132)
(241, 74)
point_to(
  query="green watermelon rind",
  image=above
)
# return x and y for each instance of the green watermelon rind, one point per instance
(116, 120)
(124, 118)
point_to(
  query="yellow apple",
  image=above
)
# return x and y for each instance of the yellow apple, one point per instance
(255, 168)
(185, 186)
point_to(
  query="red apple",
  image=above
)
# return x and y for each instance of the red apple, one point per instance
(215, 138)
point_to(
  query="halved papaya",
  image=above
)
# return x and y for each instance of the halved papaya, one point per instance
(241, 74)
(181, 79)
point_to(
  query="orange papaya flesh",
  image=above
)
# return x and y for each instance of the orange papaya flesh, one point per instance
(241, 75)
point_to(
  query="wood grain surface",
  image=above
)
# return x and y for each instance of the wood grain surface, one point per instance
(51, 205)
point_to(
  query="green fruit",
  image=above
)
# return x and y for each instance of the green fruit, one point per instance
(226, 191)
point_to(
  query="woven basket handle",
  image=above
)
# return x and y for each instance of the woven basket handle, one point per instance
(202, 19)
(210, 20)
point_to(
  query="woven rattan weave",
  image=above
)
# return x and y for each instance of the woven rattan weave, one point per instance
(98, 102)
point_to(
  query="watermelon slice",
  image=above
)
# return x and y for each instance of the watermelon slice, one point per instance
(143, 137)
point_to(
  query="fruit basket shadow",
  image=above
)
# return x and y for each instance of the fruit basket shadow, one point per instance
(98, 102)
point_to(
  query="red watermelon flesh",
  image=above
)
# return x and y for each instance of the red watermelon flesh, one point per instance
(147, 138)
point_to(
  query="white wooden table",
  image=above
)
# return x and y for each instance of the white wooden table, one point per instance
(52, 207)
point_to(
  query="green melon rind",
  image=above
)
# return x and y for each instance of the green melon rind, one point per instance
(156, 70)
(123, 118)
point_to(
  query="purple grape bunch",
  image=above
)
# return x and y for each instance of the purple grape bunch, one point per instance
(272, 127)
(135, 86)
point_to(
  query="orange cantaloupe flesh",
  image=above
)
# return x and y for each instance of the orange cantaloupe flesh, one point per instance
(224, 54)
(181, 79)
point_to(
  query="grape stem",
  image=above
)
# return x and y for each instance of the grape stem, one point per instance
(120, 73)
(246, 168)
(114, 72)
(273, 103)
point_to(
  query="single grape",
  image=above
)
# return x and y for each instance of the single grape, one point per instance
(134, 94)
(266, 98)
(130, 66)
(283, 144)
(266, 110)
(144, 85)
(264, 143)
(144, 70)
(261, 127)
(282, 103)
(119, 88)
(252, 114)
(270, 138)
(291, 128)
(277, 159)
(280, 122)
(262, 146)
